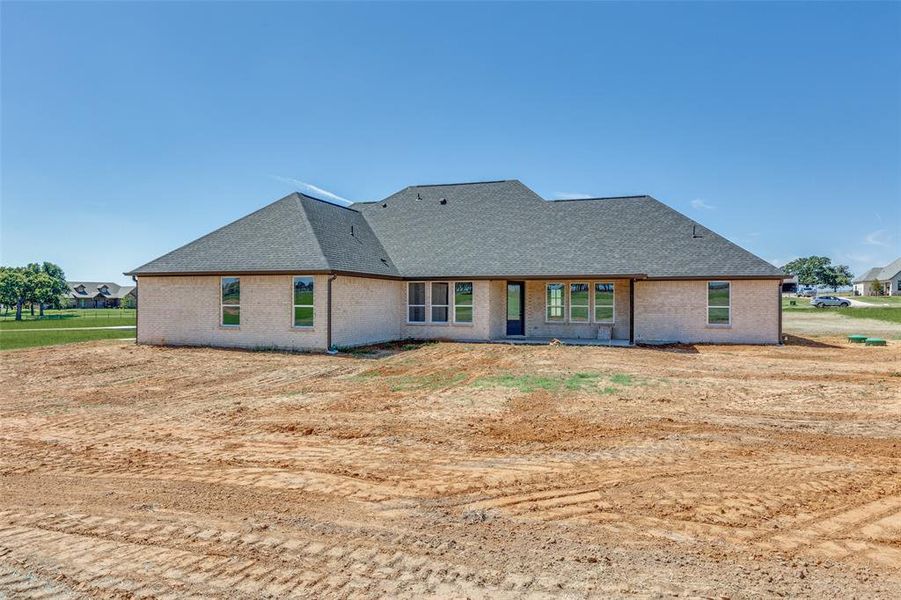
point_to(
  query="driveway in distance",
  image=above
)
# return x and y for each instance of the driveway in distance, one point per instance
(452, 470)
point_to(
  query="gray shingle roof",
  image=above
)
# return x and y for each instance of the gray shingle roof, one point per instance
(488, 229)
(870, 275)
(505, 229)
(92, 289)
(296, 233)
(881, 273)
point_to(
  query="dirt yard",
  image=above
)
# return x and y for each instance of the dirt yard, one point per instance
(452, 470)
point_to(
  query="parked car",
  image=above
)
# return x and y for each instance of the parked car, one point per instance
(807, 292)
(824, 301)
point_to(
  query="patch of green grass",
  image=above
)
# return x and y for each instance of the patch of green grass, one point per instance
(64, 314)
(10, 340)
(621, 379)
(7, 325)
(579, 381)
(887, 313)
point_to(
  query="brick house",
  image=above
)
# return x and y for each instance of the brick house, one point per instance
(100, 294)
(489, 261)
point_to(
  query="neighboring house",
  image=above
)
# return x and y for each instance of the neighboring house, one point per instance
(476, 261)
(101, 294)
(880, 281)
(790, 284)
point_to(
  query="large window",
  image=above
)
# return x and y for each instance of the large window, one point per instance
(416, 302)
(554, 302)
(603, 302)
(440, 302)
(303, 301)
(231, 302)
(578, 302)
(719, 310)
(463, 302)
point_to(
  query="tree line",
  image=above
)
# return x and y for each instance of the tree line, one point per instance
(819, 270)
(42, 284)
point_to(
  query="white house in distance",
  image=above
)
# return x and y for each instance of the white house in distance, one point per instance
(883, 281)
(487, 261)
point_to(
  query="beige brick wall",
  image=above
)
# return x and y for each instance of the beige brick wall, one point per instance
(365, 310)
(477, 330)
(537, 326)
(184, 310)
(677, 311)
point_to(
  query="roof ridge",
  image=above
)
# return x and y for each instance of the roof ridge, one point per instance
(459, 183)
(600, 198)
(348, 207)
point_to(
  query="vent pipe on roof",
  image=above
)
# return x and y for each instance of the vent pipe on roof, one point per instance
(443, 201)
(694, 232)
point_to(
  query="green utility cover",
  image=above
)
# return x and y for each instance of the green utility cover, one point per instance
(857, 339)
(875, 342)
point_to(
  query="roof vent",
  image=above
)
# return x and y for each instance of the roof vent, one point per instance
(384, 205)
(443, 201)
(351, 230)
(418, 197)
(694, 232)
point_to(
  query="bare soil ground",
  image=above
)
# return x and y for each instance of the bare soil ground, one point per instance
(451, 470)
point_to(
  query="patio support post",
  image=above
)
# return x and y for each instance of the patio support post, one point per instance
(631, 312)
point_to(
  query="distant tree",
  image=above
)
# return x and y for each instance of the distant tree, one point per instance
(41, 284)
(13, 288)
(52, 286)
(835, 276)
(807, 269)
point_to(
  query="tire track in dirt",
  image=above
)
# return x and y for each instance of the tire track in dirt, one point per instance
(105, 551)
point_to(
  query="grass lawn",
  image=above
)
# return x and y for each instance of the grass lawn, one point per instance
(10, 340)
(101, 317)
(887, 313)
(66, 314)
(892, 314)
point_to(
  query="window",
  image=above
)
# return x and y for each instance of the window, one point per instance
(303, 301)
(440, 301)
(416, 302)
(718, 303)
(603, 302)
(231, 301)
(463, 302)
(554, 302)
(578, 302)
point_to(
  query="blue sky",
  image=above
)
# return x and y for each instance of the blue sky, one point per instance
(131, 128)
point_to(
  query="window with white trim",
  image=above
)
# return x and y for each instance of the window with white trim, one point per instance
(578, 302)
(416, 302)
(603, 303)
(463, 302)
(719, 303)
(303, 302)
(230, 302)
(554, 302)
(440, 301)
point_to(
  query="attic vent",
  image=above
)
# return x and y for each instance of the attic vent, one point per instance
(384, 205)
(418, 197)
(694, 232)
(351, 230)
(443, 201)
